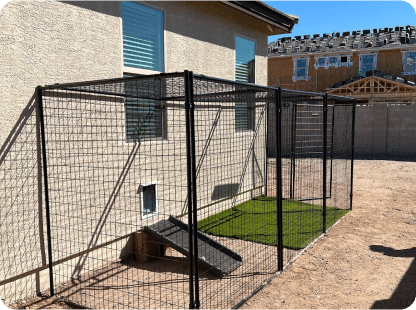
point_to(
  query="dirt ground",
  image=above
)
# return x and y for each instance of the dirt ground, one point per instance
(368, 260)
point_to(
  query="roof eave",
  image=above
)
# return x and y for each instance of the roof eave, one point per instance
(282, 22)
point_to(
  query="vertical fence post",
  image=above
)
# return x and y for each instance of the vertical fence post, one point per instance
(45, 182)
(293, 152)
(189, 185)
(266, 132)
(324, 136)
(354, 105)
(194, 187)
(279, 207)
(332, 149)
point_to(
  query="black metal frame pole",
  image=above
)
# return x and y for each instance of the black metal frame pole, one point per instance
(324, 136)
(332, 149)
(266, 131)
(189, 185)
(354, 106)
(293, 152)
(194, 188)
(45, 180)
(279, 196)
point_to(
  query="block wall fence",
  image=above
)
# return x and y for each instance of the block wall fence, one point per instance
(385, 130)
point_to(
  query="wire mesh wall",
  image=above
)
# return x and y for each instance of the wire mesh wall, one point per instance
(185, 191)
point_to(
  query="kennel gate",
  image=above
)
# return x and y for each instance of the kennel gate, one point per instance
(124, 154)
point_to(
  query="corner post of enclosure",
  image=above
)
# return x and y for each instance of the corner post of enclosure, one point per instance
(187, 81)
(354, 106)
(279, 207)
(46, 188)
(324, 136)
(194, 187)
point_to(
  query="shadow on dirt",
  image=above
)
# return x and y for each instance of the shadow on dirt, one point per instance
(405, 293)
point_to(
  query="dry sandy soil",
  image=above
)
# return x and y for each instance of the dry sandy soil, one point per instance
(368, 260)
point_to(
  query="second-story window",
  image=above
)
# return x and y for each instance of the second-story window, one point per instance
(142, 37)
(367, 62)
(245, 51)
(300, 69)
(409, 63)
(245, 60)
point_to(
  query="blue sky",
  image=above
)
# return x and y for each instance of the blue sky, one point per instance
(328, 16)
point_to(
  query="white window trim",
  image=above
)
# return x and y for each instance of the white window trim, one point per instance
(337, 64)
(157, 200)
(404, 60)
(325, 65)
(131, 70)
(360, 67)
(347, 64)
(295, 68)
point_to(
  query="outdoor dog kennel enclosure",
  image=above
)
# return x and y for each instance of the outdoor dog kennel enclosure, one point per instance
(180, 190)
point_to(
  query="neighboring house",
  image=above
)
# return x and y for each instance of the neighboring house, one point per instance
(317, 63)
(59, 42)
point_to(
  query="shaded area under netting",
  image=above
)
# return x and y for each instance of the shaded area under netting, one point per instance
(255, 220)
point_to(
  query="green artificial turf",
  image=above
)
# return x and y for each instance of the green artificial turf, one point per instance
(255, 220)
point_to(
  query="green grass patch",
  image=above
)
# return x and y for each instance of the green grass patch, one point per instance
(255, 220)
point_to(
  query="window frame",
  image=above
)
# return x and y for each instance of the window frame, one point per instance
(248, 121)
(249, 108)
(156, 212)
(337, 62)
(295, 69)
(141, 71)
(163, 129)
(254, 59)
(404, 60)
(325, 65)
(360, 63)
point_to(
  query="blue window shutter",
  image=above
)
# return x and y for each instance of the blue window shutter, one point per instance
(142, 37)
(244, 60)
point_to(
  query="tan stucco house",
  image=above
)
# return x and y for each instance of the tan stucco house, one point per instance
(48, 42)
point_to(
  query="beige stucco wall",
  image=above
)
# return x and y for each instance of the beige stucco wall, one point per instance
(54, 42)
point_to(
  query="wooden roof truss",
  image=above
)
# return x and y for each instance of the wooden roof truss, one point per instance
(376, 89)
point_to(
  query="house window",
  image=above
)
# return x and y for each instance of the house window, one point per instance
(244, 116)
(300, 69)
(333, 61)
(321, 62)
(245, 60)
(142, 37)
(409, 63)
(244, 72)
(149, 200)
(145, 118)
(367, 62)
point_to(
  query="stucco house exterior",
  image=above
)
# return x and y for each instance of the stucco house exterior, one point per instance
(50, 42)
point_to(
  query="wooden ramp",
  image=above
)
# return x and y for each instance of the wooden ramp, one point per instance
(211, 254)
